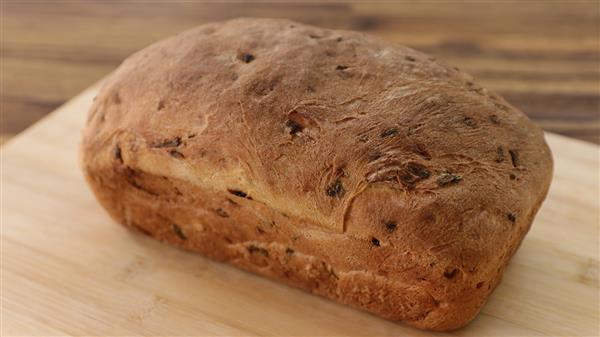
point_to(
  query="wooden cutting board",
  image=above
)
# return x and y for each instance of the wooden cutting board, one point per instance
(67, 268)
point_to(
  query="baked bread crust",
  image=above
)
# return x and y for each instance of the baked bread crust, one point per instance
(330, 160)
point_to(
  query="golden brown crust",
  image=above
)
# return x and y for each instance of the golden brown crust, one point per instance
(330, 160)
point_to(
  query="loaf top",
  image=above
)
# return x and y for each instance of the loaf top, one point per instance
(345, 132)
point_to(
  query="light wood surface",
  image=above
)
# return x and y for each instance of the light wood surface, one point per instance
(543, 56)
(67, 268)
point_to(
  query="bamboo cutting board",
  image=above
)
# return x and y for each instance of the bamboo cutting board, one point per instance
(67, 268)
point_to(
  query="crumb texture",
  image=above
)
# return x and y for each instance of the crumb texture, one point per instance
(333, 161)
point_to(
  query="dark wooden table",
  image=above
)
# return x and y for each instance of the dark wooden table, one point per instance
(543, 56)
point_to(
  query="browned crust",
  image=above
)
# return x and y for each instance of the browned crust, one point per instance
(334, 162)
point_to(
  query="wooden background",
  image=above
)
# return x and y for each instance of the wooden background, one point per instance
(543, 56)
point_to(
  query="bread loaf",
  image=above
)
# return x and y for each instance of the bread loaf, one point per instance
(332, 161)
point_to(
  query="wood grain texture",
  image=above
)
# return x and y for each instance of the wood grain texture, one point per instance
(67, 268)
(543, 56)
